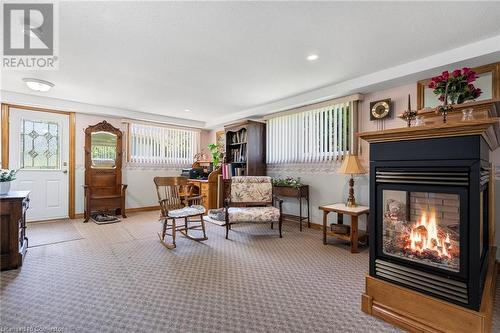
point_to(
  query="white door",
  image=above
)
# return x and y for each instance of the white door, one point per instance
(39, 148)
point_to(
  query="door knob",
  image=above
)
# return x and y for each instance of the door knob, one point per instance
(65, 171)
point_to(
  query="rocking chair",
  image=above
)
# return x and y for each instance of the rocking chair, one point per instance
(176, 202)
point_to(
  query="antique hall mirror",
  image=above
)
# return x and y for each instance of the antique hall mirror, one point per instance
(103, 150)
(104, 190)
(488, 81)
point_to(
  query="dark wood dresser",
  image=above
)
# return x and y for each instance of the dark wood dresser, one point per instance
(13, 240)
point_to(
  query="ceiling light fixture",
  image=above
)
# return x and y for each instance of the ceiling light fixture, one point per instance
(187, 110)
(38, 85)
(312, 57)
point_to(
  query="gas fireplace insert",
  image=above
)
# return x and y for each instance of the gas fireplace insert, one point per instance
(429, 231)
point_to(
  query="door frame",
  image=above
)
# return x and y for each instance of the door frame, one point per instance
(5, 112)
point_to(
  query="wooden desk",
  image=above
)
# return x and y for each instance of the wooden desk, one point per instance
(354, 212)
(299, 193)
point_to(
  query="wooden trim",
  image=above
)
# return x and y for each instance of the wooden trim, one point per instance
(416, 312)
(421, 93)
(34, 108)
(494, 68)
(143, 209)
(472, 127)
(72, 172)
(491, 205)
(5, 135)
(127, 142)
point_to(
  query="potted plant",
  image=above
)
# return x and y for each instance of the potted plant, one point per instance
(288, 181)
(216, 154)
(6, 176)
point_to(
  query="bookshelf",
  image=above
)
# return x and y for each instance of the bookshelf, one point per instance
(245, 149)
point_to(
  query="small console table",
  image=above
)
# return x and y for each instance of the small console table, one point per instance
(296, 192)
(354, 212)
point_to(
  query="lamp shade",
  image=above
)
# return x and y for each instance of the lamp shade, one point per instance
(351, 165)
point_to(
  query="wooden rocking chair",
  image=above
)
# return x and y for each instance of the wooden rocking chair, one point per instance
(176, 202)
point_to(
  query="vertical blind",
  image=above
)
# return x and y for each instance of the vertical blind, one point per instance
(318, 135)
(162, 145)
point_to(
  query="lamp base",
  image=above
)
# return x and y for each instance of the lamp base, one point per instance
(351, 202)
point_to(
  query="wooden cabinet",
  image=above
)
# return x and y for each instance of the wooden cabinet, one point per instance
(13, 242)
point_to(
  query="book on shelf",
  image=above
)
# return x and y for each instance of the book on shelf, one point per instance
(239, 137)
(239, 154)
(230, 169)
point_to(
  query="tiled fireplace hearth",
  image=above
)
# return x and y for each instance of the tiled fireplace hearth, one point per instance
(430, 251)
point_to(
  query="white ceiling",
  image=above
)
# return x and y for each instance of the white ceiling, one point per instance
(224, 58)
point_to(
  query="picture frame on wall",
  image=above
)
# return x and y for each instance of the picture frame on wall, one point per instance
(220, 140)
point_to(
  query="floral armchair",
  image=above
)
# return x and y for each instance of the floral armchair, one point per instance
(251, 200)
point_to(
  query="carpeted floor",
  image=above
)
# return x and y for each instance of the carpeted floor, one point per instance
(119, 278)
(45, 233)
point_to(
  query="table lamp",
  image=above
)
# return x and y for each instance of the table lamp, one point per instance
(352, 166)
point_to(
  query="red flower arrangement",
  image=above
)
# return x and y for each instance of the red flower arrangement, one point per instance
(457, 86)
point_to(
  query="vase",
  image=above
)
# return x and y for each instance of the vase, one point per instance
(419, 121)
(467, 114)
(4, 187)
(452, 98)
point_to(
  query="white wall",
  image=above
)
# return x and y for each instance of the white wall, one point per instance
(327, 186)
(140, 191)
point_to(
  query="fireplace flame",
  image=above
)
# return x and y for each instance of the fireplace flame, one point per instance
(424, 236)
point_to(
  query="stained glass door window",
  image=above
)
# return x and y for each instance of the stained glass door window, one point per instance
(40, 146)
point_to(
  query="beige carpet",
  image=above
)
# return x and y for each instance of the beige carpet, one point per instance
(45, 233)
(118, 278)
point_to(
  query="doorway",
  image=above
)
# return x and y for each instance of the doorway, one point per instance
(39, 147)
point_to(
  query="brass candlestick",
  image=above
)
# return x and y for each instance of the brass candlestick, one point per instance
(445, 108)
(409, 115)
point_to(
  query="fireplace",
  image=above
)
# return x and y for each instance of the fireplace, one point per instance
(429, 231)
(423, 227)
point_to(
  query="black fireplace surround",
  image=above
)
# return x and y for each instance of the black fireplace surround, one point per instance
(429, 226)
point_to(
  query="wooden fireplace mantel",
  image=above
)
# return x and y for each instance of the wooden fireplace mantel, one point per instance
(483, 127)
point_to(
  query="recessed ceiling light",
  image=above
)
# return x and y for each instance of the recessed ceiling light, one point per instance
(187, 110)
(38, 85)
(312, 57)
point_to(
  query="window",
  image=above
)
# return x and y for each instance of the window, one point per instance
(40, 145)
(162, 145)
(318, 135)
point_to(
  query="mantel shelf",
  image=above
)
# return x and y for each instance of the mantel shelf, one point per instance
(477, 106)
(484, 127)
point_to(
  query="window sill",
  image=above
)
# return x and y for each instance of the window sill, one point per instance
(318, 167)
(154, 166)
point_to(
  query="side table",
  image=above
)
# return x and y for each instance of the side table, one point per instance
(341, 209)
(296, 192)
